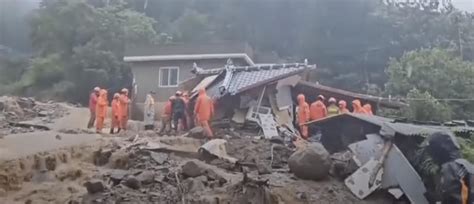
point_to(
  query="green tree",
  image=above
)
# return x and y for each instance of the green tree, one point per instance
(424, 107)
(88, 41)
(438, 72)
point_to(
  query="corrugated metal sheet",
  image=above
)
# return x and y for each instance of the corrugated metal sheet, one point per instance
(401, 128)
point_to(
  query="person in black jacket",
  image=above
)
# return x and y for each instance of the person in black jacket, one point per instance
(178, 107)
(456, 173)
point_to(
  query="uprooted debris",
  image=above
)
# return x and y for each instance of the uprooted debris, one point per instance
(23, 115)
(152, 169)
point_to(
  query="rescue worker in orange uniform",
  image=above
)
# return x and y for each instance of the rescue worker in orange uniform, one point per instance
(92, 105)
(124, 102)
(343, 107)
(101, 110)
(303, 115)
(115, 115)
(189, 120)
(203, 111)
(166, 116)
(357, 107)
(318, 109)
(368, 109)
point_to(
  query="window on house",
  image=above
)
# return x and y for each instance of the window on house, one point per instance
(169, 76)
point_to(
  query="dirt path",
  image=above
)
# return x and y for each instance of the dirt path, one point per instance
(18, 145)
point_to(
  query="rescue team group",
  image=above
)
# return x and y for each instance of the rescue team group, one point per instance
(318, 110)
(176, 111)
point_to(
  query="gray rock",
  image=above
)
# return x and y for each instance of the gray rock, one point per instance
(160, 158)
(193, 168)
(116, 176)
(132, 182)
(146, 177)
(11, 105)
(262, 168)
(94, 186)
(193, 185)
(102, 156)
(202, 178)
(212, 175)
(42, 114)
(3, 193)
(312, 162)
(197, 132)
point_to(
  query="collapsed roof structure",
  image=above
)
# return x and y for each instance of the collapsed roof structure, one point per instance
(361, 134)
(248, 93)
(264, 95)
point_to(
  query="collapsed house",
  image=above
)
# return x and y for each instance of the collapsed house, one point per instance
(407, 166)
(264, 94)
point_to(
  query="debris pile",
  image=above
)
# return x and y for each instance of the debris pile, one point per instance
(145, 168)
(21, 115)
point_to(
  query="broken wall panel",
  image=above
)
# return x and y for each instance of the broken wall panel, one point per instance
(268, 125)
(338, 134)
(399, 168)
(283, 97)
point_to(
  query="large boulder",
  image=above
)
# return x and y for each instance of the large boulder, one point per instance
(312, 162)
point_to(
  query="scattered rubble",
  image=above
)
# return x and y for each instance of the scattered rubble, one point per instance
(94, 186)
(23, 115)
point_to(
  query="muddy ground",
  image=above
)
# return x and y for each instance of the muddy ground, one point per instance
(144, 167)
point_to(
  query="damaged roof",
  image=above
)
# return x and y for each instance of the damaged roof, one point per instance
(407, 129)
(233, 80)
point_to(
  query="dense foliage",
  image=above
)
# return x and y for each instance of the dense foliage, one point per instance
(436, 74)
(78, 46)
(351, 41)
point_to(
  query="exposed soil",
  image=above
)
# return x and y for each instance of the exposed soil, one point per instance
(148, 168)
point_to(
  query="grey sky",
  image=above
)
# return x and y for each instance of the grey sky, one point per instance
(466, 5)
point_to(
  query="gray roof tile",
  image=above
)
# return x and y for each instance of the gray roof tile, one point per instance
(242, 80)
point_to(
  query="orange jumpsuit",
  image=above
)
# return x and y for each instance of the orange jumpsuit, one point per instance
(303, 115)
(318, 110)
(124, 102)
(166, 116)
(115, 113)
(368, 109)
(101, 110)
(343, 107)
(203, 111)
(356, 105)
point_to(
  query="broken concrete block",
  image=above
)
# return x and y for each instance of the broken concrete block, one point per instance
(193, 185)
(196, 132)
(193, 168)
(132, 182)
(146, 177)
(159, 158)
(94, 186)
(263, 168)
(212, 175)
(202, 178)
(116, 176)
(312, 162)
(101, 156)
